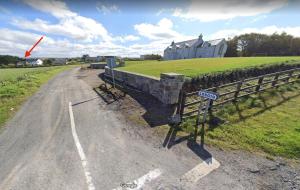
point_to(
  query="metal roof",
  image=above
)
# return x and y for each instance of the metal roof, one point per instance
(193, 41)
(188, 42)
(215, 42)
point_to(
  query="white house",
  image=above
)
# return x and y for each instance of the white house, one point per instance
(36, 62)
(196, 48)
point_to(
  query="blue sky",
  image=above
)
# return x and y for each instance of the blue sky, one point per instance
(132, 28)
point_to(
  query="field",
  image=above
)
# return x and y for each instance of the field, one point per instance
(16, 74)
(267, 123)
(16, 85)
(196, 67)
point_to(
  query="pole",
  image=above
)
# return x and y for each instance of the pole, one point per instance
(203, 122)
(197, 121)
(113, 76)
(206, 110)
(111, 66)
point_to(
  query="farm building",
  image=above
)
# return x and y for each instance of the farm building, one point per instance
(87, 58)
(196, 48)
(59, 61)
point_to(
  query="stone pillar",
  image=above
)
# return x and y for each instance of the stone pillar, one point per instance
(170, 85)
(107, 71)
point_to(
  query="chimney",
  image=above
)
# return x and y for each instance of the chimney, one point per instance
(200, 36)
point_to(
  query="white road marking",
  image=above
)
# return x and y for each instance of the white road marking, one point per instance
(84, 162)
(200, 170)
(140, 182)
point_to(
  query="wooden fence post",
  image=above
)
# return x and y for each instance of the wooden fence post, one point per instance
(182, 104)
(238, 88)
(290, 75)
(179, 102)
(260, 80)
(275, 80)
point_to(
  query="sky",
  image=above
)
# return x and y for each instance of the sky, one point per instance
(127, 28)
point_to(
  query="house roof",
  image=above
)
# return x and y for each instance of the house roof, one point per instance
(188, 42)
(215, 42)
(193, 41)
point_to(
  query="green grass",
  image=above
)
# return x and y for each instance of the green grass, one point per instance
(14, 74)
(196, 67)
(268, 124)
(16, 85)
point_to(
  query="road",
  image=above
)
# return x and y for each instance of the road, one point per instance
(63, 137)
(66, 137)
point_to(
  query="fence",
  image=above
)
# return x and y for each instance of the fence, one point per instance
(189, 102)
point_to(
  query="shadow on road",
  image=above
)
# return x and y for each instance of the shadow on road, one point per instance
(171, 140)
(199, 150)
(78, 103)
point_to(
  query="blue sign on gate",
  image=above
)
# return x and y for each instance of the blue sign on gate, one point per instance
(208, 94)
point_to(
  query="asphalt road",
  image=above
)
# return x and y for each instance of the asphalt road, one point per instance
(42, 147)
(66, 137)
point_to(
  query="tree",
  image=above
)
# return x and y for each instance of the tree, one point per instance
(255, 44)
(152, 57)
(232, 48)
(7, 59)
(48, 62)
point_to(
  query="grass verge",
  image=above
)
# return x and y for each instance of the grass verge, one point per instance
(16, 85)
(196, 67)
(267, 123)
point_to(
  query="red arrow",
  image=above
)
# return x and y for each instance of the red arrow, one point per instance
(28, 53)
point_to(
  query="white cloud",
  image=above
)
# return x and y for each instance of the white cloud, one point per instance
(160, 34)
(258, 18)
(72, 26)
(70, 23)
(127, 38)
(162, 30)
(214, 10)
(295, 31)
(131, 38)
(106, 9)
(57, 8)
(14, 42)
(17, 37)
(154, 47)
(17, 42)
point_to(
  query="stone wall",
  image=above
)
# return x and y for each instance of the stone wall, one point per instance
(97, 65)
(166, 89)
